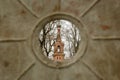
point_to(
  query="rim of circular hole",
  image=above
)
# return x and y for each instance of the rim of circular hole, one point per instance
(38, 51)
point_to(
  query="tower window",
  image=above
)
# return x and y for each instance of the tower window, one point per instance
(58, 50)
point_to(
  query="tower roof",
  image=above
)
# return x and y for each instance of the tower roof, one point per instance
(58, 33)
(58, 26)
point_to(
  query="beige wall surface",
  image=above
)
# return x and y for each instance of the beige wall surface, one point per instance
(100, 60)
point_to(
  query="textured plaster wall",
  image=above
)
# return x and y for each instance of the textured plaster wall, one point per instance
(101, 19)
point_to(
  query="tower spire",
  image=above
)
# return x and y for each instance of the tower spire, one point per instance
(58, 33)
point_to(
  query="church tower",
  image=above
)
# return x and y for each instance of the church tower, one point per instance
(58, 47)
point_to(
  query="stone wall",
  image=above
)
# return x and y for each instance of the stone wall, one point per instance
(100, 20)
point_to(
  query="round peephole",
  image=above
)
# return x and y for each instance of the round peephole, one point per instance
(59, 40)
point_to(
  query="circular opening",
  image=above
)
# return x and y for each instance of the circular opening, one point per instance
(59, 39)
(66, 36)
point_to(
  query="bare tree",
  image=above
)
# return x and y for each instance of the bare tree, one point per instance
(72, 37)
(46, 38)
